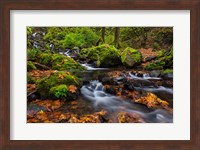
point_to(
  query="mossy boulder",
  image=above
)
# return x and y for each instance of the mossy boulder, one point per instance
(157, 65)
(56, 61)
(163, 61)
(103, 55)
(61, 62)
(131, 57)
(50, 87)
(30, 66)
(167, 74)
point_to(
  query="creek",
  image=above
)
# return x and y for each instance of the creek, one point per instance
(94, 98)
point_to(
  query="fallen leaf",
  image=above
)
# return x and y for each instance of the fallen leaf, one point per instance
(72, 88)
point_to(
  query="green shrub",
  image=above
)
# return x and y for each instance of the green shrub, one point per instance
(73, 39)
(32, 54)
(30, 66)
(82, 37)
(60, 91)
(45, 58)
(30, 79)
(155, 46)
(29, 31)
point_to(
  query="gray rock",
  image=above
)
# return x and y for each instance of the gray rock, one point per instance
(155, 73)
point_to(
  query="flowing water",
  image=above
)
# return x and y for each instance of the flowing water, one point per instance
(94, 93)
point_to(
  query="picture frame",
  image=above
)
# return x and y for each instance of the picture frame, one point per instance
(6, 6)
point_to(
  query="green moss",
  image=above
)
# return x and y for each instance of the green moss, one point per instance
(30, 79)
(168, 71)
(60, 91)
(164, 61)
(155, 45)
(131, 57)
(45, 58)
(157, 65)
(30, 66)
(104, 55)
(29, 30)
(60, 62)
(56, 61)
(61, 77)
(32, 54)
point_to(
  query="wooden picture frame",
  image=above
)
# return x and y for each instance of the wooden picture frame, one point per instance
(6, 6)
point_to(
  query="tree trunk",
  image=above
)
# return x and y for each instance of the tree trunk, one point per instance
(117, 33)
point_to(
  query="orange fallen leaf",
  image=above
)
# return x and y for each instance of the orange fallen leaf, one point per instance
(61, 76)
(74, 103)
(62, 117)
(72, 89)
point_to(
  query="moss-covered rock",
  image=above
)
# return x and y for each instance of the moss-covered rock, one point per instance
(157, 65)
(163, 61)
(56, 61)
(30, 66)
(131, 57)
(49, 86)
(60, 62)
(167, 74)
(103, 55)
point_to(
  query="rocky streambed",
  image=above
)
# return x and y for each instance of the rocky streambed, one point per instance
(110, 95)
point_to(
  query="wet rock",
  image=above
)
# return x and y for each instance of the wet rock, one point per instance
(111, 90)
(132, 84)
(149, 58)
(167, 83)
(168, 75)
(129, 85)
(155, 73)
(120, 78)
(107, 80)
(33, 96)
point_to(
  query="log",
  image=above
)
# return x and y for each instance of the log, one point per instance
(40, 66)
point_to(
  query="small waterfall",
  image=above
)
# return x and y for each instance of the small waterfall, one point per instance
(67, 53)
(146, 76)
(34, 34)
(90, 67)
